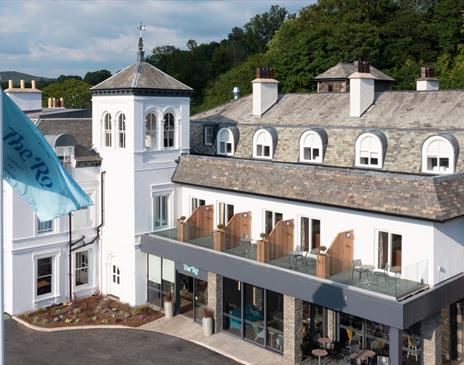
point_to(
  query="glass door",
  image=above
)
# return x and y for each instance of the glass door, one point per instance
(185, 295)
(201, 299)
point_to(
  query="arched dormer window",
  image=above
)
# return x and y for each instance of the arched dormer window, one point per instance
(225, 142)
(370, 149)
(151, 131)
(263, 144)
(312, 145)
(439, 154)
(121, 130)
(169, 131)
(107, 130)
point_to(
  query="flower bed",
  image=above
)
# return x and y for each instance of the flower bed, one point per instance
(93, 310)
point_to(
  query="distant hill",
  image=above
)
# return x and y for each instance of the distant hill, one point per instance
(17, 76)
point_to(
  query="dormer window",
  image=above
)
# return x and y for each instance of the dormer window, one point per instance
(225, 142)
(107, 130)
(169, 130)
(311, 147)
(438, 155)
(151, 132)
(121, 130)
(263, 144)
(370, 150)
(66, 156)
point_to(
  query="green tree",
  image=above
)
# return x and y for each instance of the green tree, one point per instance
(76, 93)
(95, 77)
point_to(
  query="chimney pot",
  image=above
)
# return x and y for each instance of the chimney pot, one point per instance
(10, 84)
(427, 80)
(22, 84)
(264, 73)
(265, 91)
(53, 103)
(33, 84)
(62, 102)
(364, 67)
(50, 103)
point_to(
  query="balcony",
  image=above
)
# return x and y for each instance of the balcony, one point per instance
(334, 264)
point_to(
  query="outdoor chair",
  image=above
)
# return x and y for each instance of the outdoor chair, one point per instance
(385, 272)
(412, 348)
(357, 267)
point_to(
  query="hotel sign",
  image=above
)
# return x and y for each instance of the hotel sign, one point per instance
(191, 270)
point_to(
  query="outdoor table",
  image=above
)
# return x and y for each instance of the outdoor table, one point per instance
(324, 341)
(294, 255)
(319, 353)
(362, 355)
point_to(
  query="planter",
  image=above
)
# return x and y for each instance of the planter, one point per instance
(168, 310)
(207, 326)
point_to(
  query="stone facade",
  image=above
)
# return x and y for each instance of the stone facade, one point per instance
(404, 146)
(432, 340)
(293, 324)
(215, 299)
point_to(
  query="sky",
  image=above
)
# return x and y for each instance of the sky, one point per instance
(50, 38)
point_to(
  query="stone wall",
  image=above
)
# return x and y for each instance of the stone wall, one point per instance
(293, 325)
(215, 299)
(432, 340)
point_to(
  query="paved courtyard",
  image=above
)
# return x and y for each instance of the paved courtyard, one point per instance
(102, 346)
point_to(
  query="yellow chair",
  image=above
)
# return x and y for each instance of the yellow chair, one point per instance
(351, 337)
(412, 348)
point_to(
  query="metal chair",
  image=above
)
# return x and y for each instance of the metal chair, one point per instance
(385, 272)
(357, 266)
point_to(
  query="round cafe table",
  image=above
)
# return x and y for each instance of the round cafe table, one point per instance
(319, 353)
(362, 355)
(324, 341)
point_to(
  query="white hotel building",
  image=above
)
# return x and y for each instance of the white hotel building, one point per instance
(294, 217)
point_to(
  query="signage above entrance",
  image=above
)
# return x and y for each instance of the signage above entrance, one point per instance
(191, 270)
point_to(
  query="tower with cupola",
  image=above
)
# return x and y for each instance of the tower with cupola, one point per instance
(140, 121)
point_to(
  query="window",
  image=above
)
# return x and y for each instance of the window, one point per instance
(82, 268)
(151, 132)
(389, 248)
(44, 275)
(116, 275)
(108, 130)
(65, 155)
(208, 133)
(369, 151)
(262, 141)
(270, 220)
(225, 142)
(226, 212)
(121, 130)
(169, 130)
(311, 147)
(197, 203)
(438, 156)
(44, 227)
(310, 233)
(161, 219)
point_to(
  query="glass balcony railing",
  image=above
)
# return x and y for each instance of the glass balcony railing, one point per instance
(397, 282)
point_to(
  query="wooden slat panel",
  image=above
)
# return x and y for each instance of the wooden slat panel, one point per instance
(201, 222)
(238, 227)
(281, 239)
(340, 252)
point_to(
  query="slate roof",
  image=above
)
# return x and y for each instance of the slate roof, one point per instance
(342, 71)
(141, 76)
(435, 198)
(441, 109)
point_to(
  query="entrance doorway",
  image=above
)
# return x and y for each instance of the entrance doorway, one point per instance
(193, 296)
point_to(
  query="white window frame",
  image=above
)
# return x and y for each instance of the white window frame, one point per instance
(153, 134)
(115, 274)
(390, 235)
(225, 211)
(173, 131)
(222, 143)
(369, 153)
(121, 127)
(274, 223)
(438, 155)
(256, 145)
(312, 146)
(310, 233)
(66, 155)
(156, 195)
(107, 132)
(208, 135)
(195, 203)
(81, 268)
(46, 231)
(54, 275)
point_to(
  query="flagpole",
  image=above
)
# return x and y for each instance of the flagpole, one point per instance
(2, 311)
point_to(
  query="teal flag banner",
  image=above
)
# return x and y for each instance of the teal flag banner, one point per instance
(32, 168)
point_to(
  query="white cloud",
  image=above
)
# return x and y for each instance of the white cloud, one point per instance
(52, 37)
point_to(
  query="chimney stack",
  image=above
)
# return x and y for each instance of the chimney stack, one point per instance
(427, 81)
(265, 91)
(362, 89)
(10, 84)
(33, 84)
(22, 84)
